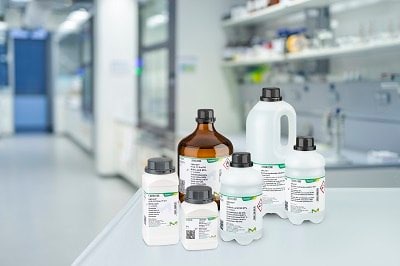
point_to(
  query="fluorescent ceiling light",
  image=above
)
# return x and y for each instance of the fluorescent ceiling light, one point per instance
(3, 26)
(74, 20)
(157, 20)
(79, 15)
(69, 25)
(21, 1)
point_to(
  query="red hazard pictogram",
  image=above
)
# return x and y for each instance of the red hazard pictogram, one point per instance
(227, 164)
(322, 187)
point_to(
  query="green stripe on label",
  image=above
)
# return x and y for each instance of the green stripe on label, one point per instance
(312, 180)
(280, 165)
(212, 160)
(165, 194)
(249, 198)
(245, 198)
(211, 218)
(307, 179)
(199, 158)
(169, 194)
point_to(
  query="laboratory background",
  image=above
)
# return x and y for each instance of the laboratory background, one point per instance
(89, 90)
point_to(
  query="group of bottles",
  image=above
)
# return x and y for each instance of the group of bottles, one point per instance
(287, 180)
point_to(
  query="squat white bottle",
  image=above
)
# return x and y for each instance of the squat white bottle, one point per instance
(241, 201)
(305, 183)
(160, 203)
(199, 219)
(263, 140)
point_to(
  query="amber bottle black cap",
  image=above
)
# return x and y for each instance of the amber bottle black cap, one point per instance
(271, 95)
(159, 166)
(205, 116)
(305, 144)
(199, 194)
(241, 160)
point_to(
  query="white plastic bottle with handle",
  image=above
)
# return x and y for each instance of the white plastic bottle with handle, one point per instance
(264, 142)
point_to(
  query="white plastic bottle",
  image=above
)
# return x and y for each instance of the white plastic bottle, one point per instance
(305, 183)
(263, 140)
(241, 201)
(199, 219)
(160, 203)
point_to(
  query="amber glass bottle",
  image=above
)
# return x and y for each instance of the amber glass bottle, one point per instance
(203, 155)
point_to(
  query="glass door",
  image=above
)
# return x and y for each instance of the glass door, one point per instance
(86, 67)
(157, 65)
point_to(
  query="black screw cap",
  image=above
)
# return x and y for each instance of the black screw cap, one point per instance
(305, 144)
(159, 166)
(271, 95)
(199, 194)
(241, 160)
(205, 116)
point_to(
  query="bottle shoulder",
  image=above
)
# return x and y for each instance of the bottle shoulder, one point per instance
(152, 181)
(241, 177)
(206, 140)
(199, 210)
(304, 159)
(270, 107)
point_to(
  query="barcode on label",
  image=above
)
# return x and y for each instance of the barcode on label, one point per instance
(190, 234)
(221, 224)
(254, 213)
(144, 219)
(176, 208)
(286, 205)
(317, 194)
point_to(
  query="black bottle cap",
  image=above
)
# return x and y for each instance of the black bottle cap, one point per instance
(199, 194)
(205, 116)
(241, 159)
(271, 95)
(159, 166)
(305, 144)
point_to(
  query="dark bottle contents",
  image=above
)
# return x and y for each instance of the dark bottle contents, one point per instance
(203, 155)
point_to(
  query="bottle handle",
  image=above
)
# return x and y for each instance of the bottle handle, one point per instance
(280, 149)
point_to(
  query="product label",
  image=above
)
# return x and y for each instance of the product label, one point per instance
(305, 195)
(201, 171)
(274, 183)
(241, 214)
(201, 228)
(160, 209)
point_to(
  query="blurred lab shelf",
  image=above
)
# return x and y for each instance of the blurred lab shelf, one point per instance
(342, 51)
(330, 52)
(275, 11)
(255, 61)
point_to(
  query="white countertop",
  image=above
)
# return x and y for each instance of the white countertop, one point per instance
(361, 228)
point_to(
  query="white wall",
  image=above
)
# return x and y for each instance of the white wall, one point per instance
(115, 24)
(200, 39)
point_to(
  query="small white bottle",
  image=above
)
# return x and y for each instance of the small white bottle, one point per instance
(241, 201)
(199, 219)
(305, 183)
(263, 140)
(160, 203)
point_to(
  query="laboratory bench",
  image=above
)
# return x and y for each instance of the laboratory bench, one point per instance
(361, 227)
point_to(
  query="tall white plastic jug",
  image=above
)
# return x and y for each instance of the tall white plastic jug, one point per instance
(263, 140)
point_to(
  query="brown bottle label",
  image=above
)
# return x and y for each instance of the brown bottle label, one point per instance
(201, 171)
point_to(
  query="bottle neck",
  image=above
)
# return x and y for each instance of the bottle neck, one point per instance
(205, 127)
